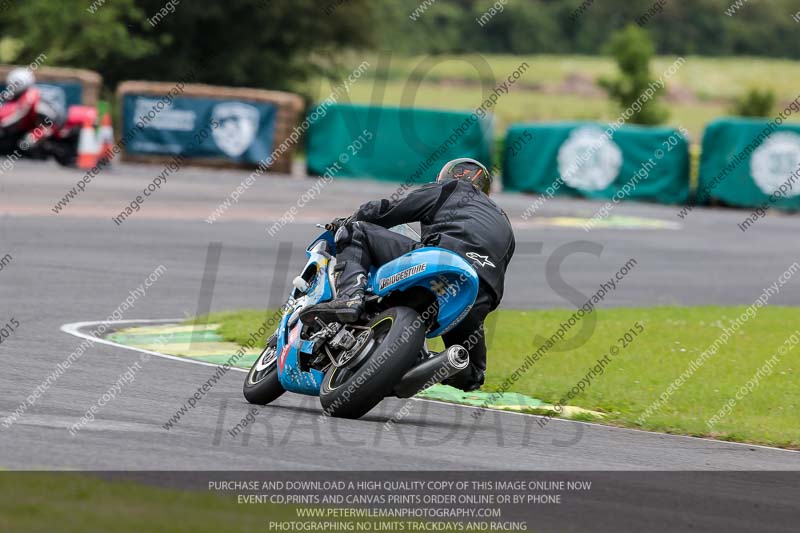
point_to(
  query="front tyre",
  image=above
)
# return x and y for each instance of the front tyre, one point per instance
(398, 335)
(261, 386)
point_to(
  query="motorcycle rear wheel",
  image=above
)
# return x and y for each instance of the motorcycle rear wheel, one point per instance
(353, 392)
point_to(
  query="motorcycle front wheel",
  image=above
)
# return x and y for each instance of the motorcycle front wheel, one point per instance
(261, 386)
(397, 337)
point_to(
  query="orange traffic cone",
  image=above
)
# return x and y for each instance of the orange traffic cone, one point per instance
(88, 148)
(106, 139)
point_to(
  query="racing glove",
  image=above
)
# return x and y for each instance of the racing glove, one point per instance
(336, 223)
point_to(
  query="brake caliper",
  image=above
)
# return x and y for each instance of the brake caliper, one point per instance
(344, 340)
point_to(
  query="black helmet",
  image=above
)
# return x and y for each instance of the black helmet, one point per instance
(468, 170)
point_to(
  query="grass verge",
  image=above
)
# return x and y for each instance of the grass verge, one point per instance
(642, 371)
(43, 502)
(66, 502)
(708, 86)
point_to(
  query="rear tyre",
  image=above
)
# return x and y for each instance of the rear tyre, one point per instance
(398, 335)
(261, 386)
(65, 151)
(65, 158)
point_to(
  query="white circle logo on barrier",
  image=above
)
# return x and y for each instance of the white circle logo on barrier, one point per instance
(238, 125)
(588, 160)
(773, 163)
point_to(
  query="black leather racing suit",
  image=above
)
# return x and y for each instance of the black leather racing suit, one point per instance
(453, 215)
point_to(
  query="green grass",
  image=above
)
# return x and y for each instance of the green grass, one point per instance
(454, 84)
(66, 502)
(708, 77)
(236, 326)
(635, 378)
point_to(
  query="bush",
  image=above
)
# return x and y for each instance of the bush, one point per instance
(754, 103)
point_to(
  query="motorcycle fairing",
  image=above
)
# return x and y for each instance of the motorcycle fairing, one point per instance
(289, 344)
(291, 376)
(449, 276)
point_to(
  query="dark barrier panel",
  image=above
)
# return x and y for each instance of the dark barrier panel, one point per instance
(244, 132)
(61, 87)
(208, 125)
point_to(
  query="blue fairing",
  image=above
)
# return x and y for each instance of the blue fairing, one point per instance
(289, 344)
(445, 273)
(291, 376)
(451, 278)
(326, 236)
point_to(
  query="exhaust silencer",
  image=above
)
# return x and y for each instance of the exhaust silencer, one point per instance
(433, 370)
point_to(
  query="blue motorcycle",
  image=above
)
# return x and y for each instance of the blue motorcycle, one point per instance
(352, 367)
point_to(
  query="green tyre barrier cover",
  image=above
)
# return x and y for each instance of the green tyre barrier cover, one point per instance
(750, 163)
(594, 161)
(393, 143)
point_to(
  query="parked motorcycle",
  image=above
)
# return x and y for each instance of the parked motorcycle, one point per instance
(352, 367)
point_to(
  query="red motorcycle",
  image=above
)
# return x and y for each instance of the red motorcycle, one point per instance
(32, 128)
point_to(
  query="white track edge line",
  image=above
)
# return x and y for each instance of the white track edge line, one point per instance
(73, 329)
(605, 426)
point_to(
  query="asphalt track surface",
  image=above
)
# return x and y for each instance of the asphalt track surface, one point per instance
(79, 266)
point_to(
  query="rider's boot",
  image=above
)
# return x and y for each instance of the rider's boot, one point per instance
(347, 307)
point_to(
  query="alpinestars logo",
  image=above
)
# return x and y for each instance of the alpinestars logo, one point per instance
(361, 280)
(400, 276)
(482, 260)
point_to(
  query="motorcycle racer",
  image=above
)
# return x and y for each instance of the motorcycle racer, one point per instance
(25, 117)
(454, 213)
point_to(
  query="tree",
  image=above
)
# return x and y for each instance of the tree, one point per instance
(74, 36)
(274, 44)
(632, 49)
